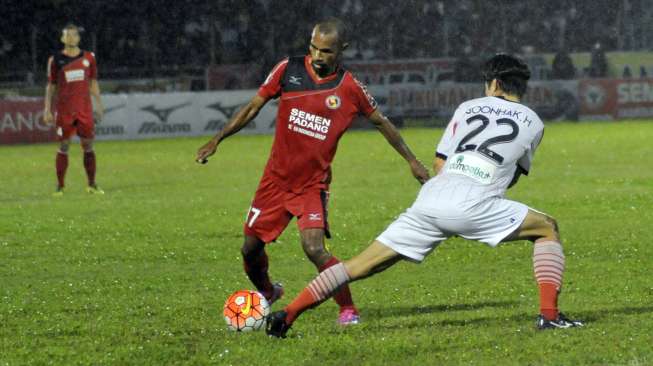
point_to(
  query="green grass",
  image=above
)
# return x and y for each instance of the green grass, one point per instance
(139, 276)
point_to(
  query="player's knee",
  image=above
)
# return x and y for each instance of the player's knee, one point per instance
(251, 247)
(551, 228)
(315, 251)
(87, 146)
(64, 146)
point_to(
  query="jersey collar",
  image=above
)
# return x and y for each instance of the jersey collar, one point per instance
(313, 75)
(507, 100)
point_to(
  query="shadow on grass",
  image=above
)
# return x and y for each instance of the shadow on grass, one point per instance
(384, 312)
(587, 316)
(598, 314)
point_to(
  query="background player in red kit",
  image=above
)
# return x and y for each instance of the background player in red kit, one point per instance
(72, 79)
(318, 100)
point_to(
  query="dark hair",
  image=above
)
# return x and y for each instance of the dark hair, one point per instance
(334, 25)
(512, 73)
(71, 26)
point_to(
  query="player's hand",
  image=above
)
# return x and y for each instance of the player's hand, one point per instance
(48, 118)
(419, 171)
(206, 151)
(99, 115)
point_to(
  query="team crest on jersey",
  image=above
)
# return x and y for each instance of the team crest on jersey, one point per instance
(86, 63)
(333, 102)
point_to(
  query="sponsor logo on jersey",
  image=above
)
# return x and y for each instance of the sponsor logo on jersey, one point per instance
(471, 166)
(332, 102)
(162, 126)
(308, 124)
(86, 63)
(74, 75)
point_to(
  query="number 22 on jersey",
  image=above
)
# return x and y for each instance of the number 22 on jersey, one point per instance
(484, 148)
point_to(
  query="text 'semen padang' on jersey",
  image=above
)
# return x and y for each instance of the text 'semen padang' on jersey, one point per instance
(312, 116)
(72, 76)
(485, 142)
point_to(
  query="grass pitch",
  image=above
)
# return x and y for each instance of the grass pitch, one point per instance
(139, 276)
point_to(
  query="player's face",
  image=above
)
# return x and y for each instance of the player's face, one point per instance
(70, 37)
(325, 52)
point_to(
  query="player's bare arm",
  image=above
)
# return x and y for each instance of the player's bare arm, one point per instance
(245, 115)
(95, 93)
(50, 92)
(390, 132)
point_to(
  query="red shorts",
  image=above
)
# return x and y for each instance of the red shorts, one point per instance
(83, 128)
(273, 208)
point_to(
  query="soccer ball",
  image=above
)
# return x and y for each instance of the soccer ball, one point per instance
(245, 311)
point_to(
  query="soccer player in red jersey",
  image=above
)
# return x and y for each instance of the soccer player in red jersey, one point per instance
(318, 100)
(72, 79)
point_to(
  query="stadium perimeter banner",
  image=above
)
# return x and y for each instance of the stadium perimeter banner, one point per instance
(616, 98)
(140, 116)
(21, 121)
(552, 100)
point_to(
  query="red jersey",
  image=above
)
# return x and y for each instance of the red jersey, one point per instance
(312, 116)
(72, 75)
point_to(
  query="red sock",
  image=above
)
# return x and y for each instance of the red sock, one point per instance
(301, 303)
(343, 296)
(548, 265)
(89, 165)
(549, 300)
(257, 271)
(61, 164)
(325, 285)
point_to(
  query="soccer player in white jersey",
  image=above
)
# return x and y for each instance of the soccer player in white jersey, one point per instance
(487, 145)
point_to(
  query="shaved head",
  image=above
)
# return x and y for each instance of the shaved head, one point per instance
(328, 41)
(332, 27)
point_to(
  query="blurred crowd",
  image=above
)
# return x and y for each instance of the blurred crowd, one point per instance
(152, 35)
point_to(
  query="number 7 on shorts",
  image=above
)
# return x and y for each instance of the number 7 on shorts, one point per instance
(255, 213)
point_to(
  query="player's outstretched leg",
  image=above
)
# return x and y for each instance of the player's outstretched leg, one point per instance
(89, 166)
(548, 266)
(255, 262)
(376, 258)
(61, 165)
(313, 244)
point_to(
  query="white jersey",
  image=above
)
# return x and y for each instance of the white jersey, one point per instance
(485, 142)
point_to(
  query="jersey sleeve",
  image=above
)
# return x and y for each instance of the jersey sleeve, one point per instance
(271, 87)
(524, 163)
(93, 66)
(447, 145)
(363, 100)
(52, 71)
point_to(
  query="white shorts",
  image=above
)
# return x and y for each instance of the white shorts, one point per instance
(414, 234)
